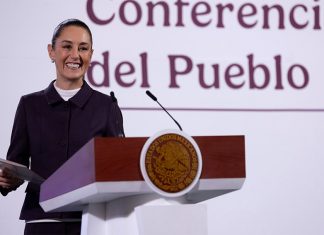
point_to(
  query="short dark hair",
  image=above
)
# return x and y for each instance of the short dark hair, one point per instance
(69, 22)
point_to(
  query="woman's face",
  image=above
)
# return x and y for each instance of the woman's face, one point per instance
(72, 54)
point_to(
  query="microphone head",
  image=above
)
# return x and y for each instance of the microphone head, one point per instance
(151, 95)
(113, 97)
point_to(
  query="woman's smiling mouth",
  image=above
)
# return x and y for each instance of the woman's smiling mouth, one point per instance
(73, 65)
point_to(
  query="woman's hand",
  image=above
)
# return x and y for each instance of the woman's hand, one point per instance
(8, 180)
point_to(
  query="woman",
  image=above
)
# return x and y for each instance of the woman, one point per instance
(52, 124)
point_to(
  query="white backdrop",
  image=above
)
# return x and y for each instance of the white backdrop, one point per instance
(283, 192)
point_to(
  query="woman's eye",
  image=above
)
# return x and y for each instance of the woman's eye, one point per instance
(83, 49)
(67, 47)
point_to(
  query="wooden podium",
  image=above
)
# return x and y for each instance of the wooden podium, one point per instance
(107, 170)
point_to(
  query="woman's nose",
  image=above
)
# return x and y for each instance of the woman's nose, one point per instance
(74, 53)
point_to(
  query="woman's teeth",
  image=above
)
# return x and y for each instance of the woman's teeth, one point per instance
(73, 66)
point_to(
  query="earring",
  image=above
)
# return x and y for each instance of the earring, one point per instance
(52, 60)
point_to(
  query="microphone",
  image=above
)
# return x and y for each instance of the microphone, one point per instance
(113, 97)
(155, 99)
(117, 116)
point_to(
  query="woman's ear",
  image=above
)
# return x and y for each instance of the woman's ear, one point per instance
(51, 53)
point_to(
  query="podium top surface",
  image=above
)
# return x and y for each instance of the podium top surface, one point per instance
(112, 159)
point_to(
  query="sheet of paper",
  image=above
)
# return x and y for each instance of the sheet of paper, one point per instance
(20, 171)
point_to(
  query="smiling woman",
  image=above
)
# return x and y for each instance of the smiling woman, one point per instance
(52, 124)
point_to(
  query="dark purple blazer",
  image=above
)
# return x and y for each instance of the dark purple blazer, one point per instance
(48, 130)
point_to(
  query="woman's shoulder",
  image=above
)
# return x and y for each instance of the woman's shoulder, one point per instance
(102, 96)
(34, 95)
(49, 94)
